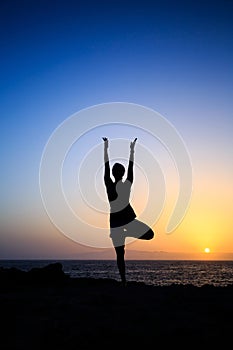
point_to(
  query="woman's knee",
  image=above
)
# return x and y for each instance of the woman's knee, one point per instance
(148, 235)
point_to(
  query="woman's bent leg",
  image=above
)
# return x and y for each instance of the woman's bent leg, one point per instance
(140, 230)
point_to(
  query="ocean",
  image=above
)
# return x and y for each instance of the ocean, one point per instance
(150, 272)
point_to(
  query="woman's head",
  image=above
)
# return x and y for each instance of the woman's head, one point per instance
(118, 171)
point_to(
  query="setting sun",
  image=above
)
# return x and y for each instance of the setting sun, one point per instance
(207, 250)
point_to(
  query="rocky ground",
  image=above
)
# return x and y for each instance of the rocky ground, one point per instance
(44, 308)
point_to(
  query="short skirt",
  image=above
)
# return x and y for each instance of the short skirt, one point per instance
(122, 217)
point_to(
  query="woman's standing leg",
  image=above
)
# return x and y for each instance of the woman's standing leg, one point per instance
(120, 255)
(118, 240)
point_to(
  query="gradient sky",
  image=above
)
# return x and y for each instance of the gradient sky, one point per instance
(59, 57)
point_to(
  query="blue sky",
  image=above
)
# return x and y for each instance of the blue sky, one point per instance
(58, 57)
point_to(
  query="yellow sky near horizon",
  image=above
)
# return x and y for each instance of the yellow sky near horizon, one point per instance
(207, 224)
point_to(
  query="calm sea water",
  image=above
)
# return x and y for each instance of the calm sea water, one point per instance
(151, 272)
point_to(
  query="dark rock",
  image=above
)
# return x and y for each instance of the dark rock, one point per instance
(50, 274)
(12, 275)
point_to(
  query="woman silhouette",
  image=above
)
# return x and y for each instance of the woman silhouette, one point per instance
(123, 222)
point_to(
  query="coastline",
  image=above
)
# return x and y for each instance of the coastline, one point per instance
(45, 307)
(151, 272)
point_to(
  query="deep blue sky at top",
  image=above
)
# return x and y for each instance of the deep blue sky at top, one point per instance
(53, 51)
(58, 57)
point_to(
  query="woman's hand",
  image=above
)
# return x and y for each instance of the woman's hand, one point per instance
(132, 144)
(105, 141)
